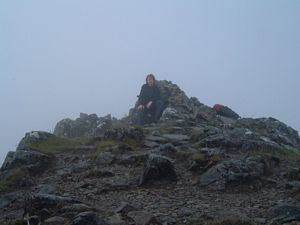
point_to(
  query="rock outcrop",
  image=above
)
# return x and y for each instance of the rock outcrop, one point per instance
(84, 126)
(32, 138)
(191, 167)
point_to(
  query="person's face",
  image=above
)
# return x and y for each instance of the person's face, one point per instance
(150, 81)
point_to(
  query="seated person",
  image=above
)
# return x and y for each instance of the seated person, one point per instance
(149, 101)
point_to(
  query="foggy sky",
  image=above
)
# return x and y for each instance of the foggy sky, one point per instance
(62, 57)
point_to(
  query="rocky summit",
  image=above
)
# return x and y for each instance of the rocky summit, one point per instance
(192, 167)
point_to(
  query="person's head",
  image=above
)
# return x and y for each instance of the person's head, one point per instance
(150, 80)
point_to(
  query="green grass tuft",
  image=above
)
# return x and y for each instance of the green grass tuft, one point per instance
(293, 154)
(199, 158)
(56, 145)
(195, 137)
(15, 179)
(105, 144)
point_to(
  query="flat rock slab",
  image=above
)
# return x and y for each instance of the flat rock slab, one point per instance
(157, 139)
(142, 218)
(176, 137)
(151, 144)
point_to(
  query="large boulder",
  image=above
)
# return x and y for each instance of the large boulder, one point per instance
(84, 126)
(32, 138)
(237, 171)
(45, 206)
(271, 128)
(186, 108)
(32, 161)
(242, 139)
(158, 167)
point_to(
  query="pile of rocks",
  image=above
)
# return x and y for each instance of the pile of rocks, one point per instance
(192, 167)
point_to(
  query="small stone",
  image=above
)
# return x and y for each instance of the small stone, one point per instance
(116, 220)
(142, 218)
(87, 218)
(125, 208)
(57, 220)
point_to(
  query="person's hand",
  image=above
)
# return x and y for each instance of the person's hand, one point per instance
(140, 107)
(149, 104)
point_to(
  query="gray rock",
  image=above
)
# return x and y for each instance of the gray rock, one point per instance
(56, 220)
(47, 189)
(158, 167)
(105, 158)
(284, 213)
(79, 207)
(7, 199)
(114, 185)
(294, 174)
(142, 218)
(133, 160)
(84, 126)
(125, 208)
(167, 149)
(97, 173)
(176, 137)
(172, 114)
(120, 134)
(271, 128)
(234, 171)
(8, 160)
(31, 160)
(239, 138)
(33, 220)
(223, 214)
(37, 202)
(179, 107)
(82, 166)
(150, 144)
(87, 218)
(31, 138)
(227, 139)
(156, 139)
(64, 128)
(116, 220)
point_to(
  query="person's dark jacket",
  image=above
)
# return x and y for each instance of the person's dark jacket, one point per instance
(148, 93)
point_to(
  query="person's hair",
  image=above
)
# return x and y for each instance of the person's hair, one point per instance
(151, 76)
